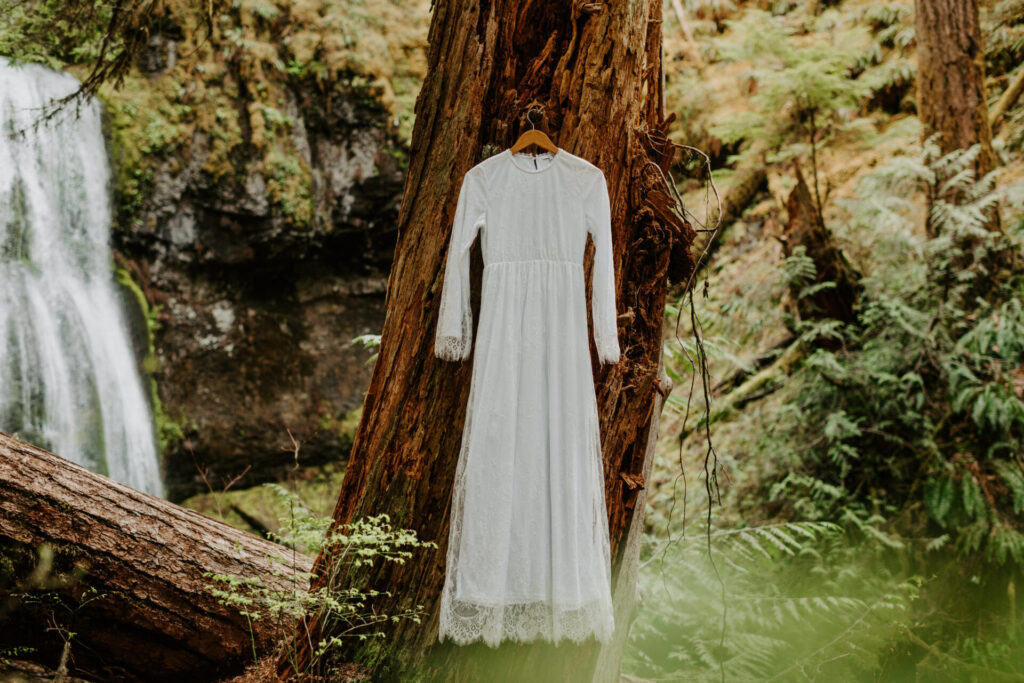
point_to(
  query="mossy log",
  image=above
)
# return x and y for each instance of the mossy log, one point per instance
(126, 578)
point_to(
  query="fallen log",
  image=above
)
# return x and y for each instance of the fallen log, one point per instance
(757, 386)
(763, 360)
(1007, 100)
(132, 602)
(746, 184)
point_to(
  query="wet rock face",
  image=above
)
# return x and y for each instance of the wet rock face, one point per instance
(256, 314)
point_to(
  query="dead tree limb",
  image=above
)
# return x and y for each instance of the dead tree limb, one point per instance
(1007, 100)
(805, 228)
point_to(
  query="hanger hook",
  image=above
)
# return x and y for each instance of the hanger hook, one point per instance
(534, 107)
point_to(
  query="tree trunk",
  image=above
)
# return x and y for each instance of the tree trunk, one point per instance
(151, 617)
(951, 81)
(595, 67)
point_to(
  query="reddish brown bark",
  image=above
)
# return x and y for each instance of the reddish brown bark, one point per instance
(595, 68)
(951, 75)
(156, 621)
(951, 80)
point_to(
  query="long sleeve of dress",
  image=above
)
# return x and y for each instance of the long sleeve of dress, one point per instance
(599, 224)
(454, 336)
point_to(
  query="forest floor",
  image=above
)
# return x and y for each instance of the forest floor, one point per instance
(743, 313)
(718, 589)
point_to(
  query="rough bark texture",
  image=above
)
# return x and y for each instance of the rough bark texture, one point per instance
(951, 79)
(156, 621)
(595, 67)
(804, 228)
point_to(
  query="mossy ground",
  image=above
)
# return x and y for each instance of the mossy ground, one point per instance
(317, 486)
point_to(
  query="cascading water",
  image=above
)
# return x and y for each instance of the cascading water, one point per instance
(68, 376)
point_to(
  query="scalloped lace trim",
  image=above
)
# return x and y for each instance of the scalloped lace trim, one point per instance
(464, 622)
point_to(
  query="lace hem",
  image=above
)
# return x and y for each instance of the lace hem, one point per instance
(464, 622)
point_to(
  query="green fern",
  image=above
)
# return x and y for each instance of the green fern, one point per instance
(801, 88)
(922, 401)
(784, 607)
(882, 16)
(1012, 475)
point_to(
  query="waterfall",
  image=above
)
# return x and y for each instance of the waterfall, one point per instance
(68, 375)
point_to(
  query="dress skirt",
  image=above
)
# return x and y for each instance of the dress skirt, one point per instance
(528, 549)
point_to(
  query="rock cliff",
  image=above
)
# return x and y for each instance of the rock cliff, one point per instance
(258, 242)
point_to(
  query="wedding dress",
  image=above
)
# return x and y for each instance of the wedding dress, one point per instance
(528, 552)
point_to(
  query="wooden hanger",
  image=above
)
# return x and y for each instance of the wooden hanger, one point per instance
(534, 137)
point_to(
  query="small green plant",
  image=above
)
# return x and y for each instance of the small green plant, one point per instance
(368, 341)
(55, 591)
(7, 655)
(287, 598)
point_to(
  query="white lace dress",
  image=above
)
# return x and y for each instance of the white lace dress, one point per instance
(528, 554)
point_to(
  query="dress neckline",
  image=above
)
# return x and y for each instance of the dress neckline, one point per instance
(554, 157)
